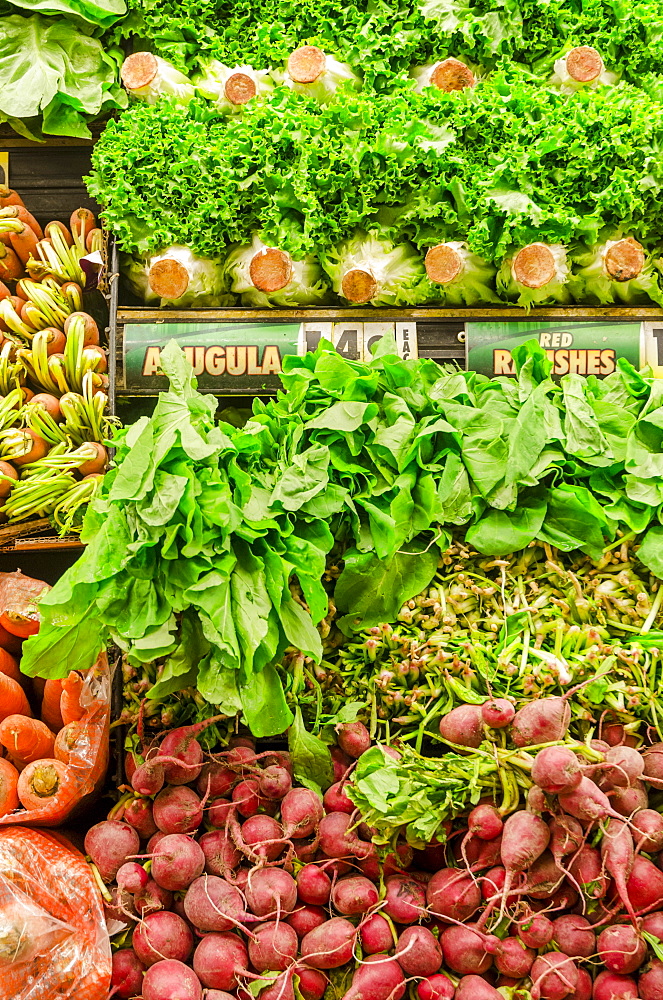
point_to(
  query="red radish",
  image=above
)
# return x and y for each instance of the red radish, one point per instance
(177, 861)
(148, 778)
(497, 713)
(273, 946)
(463, 726)
(329, 946)
(354, 895)
(418, 952)
(627, 801)
(618, 856)
(270, 891)
(405, 899)
(554, 976)
(377, 978)
(132, 877)
(109, 844)
(453, 894)
(492, 882)
(566, 836)
(177, 810)
(584, 987)
(650, 983)
(313, 885)
(246, 797)
(335, 800)
(545, 720)
(301, 812)
(464, 950)
(647, 826)
(476, 988)
(162, 935)
(121, 905)
(435, 988)
(525, 838)
(513, 959)
(608, 986)
(626, 766)
(312, 983)
(280, 988)
(221, 855)
(264, 835)
(587, 802)
(574, 935)
(140, 815)
(376, 935)
(536, 932)
(182, 744)
(653, 924)
(338, 839)
(171, 979)
(353, 738)
(220, 960)
(621, 948)
(481, 853)
(587, 870)
(275, 782)
(127, 974)
(212, 904)
(306, 918)
(219, 811)
(556, 769)
(653, 760)
(341, 762)
(485, 822)
(152, 898)
(215, 780)
(543, 877)
(645, 885)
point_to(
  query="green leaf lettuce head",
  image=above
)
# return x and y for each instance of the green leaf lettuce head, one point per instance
(397, 271)
(50, 68)
(535, 283)
(335, 75)
(593, 283)
(307, 285)
(214, 77)
(472, 285)
(166, 82)
(203, 279)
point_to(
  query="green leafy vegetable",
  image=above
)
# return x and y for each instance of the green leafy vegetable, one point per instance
(311, 761)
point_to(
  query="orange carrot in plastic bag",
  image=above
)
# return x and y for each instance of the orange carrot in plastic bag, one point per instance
(8, 782)
(54, 944)
(50, 705)
(70, 700)
(12, 698)
(26, 739)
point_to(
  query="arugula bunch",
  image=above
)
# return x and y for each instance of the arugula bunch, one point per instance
(195, 542)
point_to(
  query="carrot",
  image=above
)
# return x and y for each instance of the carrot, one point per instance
(21, 213)
(81, 223)
(12, 698)
(11, 268)
(74, 738)
(4, 291)
(43, 782)
(50, 705)
(91, 331)
(66, 235)
(8, 783)
(9, 197)
(10, 642)
(24, 243)
(8, 665)
(26, 739)
(94, 240)
(70, 703)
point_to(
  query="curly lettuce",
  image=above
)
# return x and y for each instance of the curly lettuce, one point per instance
(215, 82)
(163, 80)
(304, 281)
(539, 278)
(205, 283)
(459, 277)
(385, 274)
(594, 280)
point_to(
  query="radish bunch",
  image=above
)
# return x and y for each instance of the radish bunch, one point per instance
(237, 882)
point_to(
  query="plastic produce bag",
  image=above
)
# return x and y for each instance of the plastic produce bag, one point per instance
(53, 940)
(57, 791)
